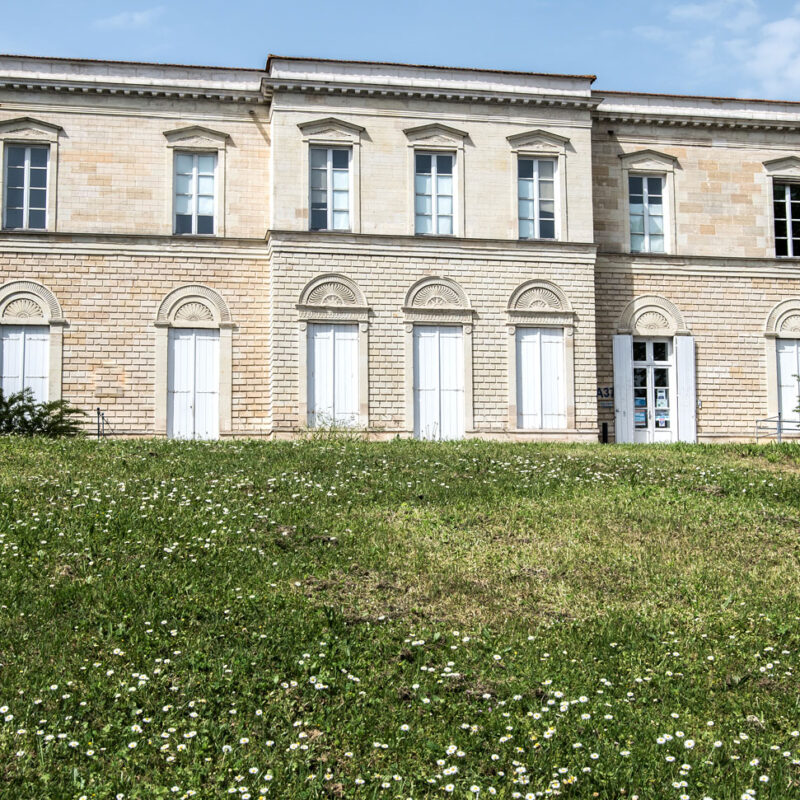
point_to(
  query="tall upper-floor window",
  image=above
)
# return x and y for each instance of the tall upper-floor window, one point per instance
(786, 200)
(646, 208)
(536, 181)
(329, 183)
(433, 193)
(25, 183)
(195, 193)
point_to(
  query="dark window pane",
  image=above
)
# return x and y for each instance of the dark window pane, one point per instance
(794, 191)
(423, 163)
(634, 185)
(780, 247)
(660, 377)
(780, 227)
(341, 159)
(14, 218)
(183, 223)
(795, 209)
(16, 156)
(16, 176)
(38, 156)
(795, 229)
(547, 229)
(36, 219)
(205, 224)
(659, 351)
(319, 220)
(640, 351)
(525, 168)
(37, 198)
(640, 377)
(780, 210)
(38, 178)
(654, 185)
(15, 198)
(444, 165)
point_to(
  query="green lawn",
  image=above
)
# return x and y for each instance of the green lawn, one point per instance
(340, 619)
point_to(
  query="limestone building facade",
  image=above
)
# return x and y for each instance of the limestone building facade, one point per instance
(418, 251)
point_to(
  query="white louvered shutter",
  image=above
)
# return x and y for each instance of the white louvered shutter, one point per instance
(451, 371)
(345, 374)
(554, 403)
(206, 384)
(529, 408)
(687, 391)
(623, 388)
(180, 387)
(788, 353)
(426, 382)
(25, 359)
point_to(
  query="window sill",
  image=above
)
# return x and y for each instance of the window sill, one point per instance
(538, 239)
(26, 230)
(197, 236)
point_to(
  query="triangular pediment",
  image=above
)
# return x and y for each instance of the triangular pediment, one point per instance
(29, 128)
(331, 128)
(788, 166)
(436, 133)
(538, 141)
(649, 160)
(197, 136)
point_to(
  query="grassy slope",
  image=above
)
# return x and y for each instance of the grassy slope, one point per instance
(549, 611)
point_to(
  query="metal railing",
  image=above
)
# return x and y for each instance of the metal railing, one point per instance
(776, 426)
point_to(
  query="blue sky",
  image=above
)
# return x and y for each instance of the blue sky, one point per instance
(721, 47)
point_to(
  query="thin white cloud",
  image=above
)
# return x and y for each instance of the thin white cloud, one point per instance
(128, 20)
(734, 38)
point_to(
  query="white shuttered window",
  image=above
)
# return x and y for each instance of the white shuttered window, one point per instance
(193, 384)
(438, 382)
(24, 359)
(788, 383)
(332, 375)
(541, 391)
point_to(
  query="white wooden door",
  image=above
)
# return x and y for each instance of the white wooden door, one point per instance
(541, 396)
(24, 359)
(438, 382)
(332, 375)
(193, 384)
(788, 383)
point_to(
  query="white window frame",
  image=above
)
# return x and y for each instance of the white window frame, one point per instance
(536, 191)
(195, 195)
(434, 155)
(645, 177)
(438, 139)
(26, 188)
(787, 184)
(651, 163)
(191, 140)
(329, 169)
(29, 132)
(337, 134)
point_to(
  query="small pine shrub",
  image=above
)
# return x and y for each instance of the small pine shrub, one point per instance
(21, 415)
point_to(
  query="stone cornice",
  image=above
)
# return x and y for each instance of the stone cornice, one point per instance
(368, 90)
(132, 90)
(693, 121)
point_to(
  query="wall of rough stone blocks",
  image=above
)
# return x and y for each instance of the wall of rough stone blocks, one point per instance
(110, 304)
(727, 315)
(114, 165)
(723, 192)
(488, 281)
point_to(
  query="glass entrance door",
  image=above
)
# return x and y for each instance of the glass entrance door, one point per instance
(653, 391)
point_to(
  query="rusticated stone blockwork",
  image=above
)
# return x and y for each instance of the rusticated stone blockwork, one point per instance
(385, 268)
(110, 302)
